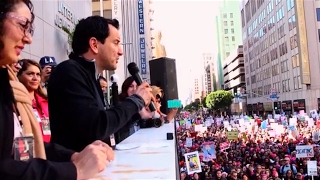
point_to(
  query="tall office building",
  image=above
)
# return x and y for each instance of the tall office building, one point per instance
(229, 35)
(51, 17)
(281, 49)
(234, 78)
(135, 18)
(209, 73)
(159, 49)
(196, 89)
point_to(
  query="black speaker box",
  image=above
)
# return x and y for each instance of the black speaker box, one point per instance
(164, 75)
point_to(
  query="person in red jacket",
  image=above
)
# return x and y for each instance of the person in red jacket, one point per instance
(30, 76)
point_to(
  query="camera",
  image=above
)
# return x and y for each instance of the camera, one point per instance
(149, 123)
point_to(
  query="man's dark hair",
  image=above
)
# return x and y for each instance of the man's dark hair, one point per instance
(93, 26)
(102, 78)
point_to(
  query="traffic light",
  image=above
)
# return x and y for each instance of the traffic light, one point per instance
(275, 105)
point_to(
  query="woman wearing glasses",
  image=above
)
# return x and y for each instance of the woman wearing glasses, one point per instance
(22, 151)
(158, 94)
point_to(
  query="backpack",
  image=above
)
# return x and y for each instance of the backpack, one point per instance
(282, 168)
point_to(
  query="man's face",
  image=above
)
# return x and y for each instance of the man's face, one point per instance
(104, 85)
(110, 52)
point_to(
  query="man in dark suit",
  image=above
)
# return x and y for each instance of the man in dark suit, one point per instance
(78, 113)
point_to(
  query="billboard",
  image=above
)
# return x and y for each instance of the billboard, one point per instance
(143, 59)
(141, 17)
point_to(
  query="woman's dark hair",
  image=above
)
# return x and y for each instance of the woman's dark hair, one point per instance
(25, 63)
(124, 88)
(102, 78)
(93, 26)
(7, 6)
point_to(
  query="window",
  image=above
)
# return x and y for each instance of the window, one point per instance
(286, 85)
(231, 15)
(225, 31)
(275, 70)
(319, 34)
(297, 82)
(318, 14)
(225, 15)
(225, 23)
(281, 31)
(227, 54)
(280, 14)
(293, 41)
(232, 30)
(284, 66)
(226, 39)
(233, 38)
(283, 49)
(290, 4)
(231, 23)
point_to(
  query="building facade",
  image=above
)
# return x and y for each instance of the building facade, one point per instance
(135, 18)
(209, 73)
(229, 34)
(234, 78)
(196, 89)
(50, 18)
(281, 54)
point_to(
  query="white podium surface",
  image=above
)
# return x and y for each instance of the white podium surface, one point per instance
(152, 156)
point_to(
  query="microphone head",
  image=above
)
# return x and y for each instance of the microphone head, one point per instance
(114, 78)
(133, 68)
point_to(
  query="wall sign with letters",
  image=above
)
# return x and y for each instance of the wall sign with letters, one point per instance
(143, 55)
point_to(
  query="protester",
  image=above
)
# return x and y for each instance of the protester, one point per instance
(29, 76)
(78, 113)
(22, 151)
(47, 64)
(265, 150)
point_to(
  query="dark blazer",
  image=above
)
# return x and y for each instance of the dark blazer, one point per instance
(34, 169)
(77, 109)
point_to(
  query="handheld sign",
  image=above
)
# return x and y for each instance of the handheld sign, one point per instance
(174, 103)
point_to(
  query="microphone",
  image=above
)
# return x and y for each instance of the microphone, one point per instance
(134, 71)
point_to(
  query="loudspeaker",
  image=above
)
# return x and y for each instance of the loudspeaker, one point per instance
(164, 75)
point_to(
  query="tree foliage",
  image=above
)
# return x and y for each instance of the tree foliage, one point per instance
(220, 99)
(203, 102)
(69, 33)
(193, 106)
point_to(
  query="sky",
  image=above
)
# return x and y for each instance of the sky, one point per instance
(188, 30)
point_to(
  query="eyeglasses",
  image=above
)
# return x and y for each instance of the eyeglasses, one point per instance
(24, 24)
(158, 97)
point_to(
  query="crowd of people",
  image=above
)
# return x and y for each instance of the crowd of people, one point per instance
(55, 122)
(255, 154)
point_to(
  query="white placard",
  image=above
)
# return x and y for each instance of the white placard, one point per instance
(193, 162)
(312, 168)
(304, 151)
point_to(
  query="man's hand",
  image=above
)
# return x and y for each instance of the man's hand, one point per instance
(145, 113)
(92, 160)
(145, 92)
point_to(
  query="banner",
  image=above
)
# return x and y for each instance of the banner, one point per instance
(304, 151)
(209, 151)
